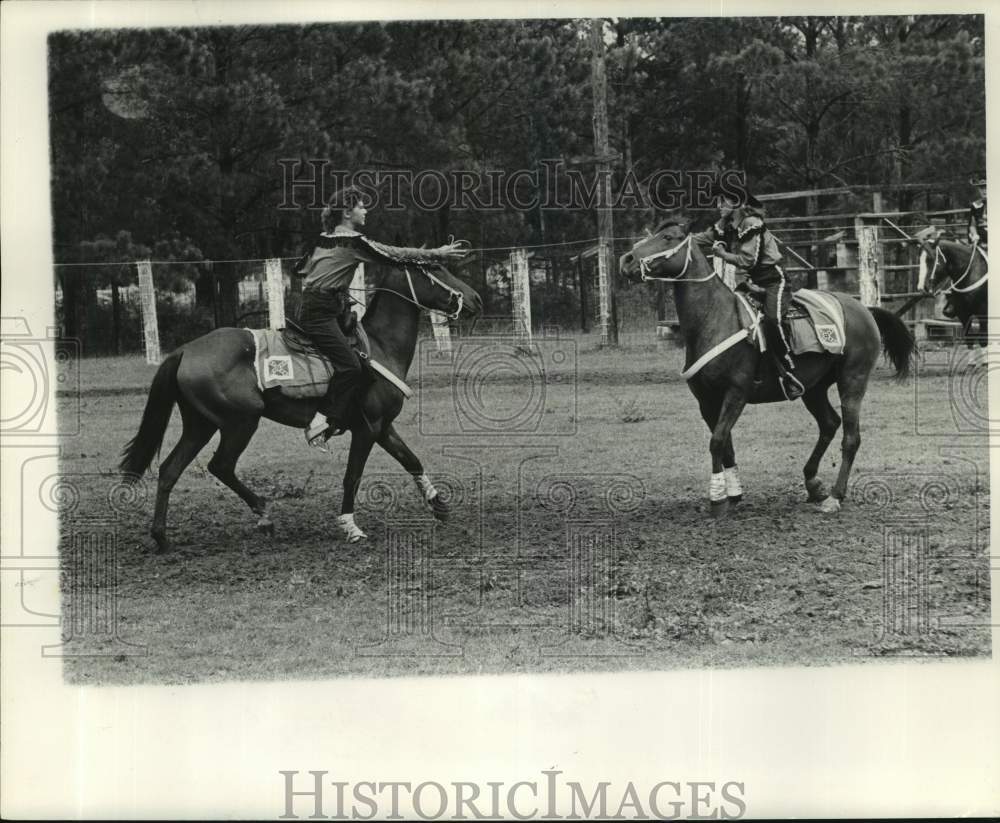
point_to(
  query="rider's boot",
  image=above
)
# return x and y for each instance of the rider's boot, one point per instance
(789, 382)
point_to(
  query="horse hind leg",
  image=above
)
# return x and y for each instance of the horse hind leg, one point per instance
(196, 433)
(852, 392)
(235, 436)
(818, 402)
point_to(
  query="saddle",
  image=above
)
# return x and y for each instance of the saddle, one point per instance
(814, 319)
(286, 359)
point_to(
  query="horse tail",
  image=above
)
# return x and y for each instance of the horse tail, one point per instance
(898, 344)
(141, 449)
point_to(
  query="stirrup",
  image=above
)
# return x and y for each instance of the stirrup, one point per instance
(791, 386)
(318, 435)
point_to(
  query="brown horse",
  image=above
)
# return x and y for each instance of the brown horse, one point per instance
(709, 316)
(214, 384)
(967, 268)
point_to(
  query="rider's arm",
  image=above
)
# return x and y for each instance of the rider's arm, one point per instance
(748, 245)
(375, 252)
(704, 239)
(971, 231)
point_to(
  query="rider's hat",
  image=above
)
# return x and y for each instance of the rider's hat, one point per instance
(734, 190)
(978, 180)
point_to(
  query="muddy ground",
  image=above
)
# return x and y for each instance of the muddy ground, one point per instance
(579, 537)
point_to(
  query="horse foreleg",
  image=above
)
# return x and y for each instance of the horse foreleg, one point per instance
(818, 402)
(196, 433)
(233, 441)
(710, 409)
(394, 445)
(361, 448)
(721, 487)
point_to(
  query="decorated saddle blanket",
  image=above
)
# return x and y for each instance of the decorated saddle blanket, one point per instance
(815, 318)
(287, 359)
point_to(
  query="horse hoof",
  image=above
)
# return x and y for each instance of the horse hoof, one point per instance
(161, 543)
(736, 499)
(439, 508)
(816, 489)
(266, 528)
(830, 505)
(719, 509)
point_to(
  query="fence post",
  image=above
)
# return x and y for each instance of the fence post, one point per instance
(275, 294)
(520, 293)
(604, 291)
(870, 275)
(147, 307)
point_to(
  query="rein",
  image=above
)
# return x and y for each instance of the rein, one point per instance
(751, 333)
(413, 293)
(666, 254)
(940, 255)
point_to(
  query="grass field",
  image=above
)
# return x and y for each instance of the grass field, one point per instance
(579, 536)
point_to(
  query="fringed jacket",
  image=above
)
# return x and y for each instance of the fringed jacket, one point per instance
(977, 222)
(331, 265)
(746, 236)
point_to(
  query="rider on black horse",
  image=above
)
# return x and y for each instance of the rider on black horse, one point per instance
(328, 271)
(755, 250)
(976, 227)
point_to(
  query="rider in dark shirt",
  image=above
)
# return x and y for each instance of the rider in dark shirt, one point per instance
(328, 271)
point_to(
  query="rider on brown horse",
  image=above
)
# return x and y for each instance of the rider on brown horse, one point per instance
(755, 251)
(328, 271)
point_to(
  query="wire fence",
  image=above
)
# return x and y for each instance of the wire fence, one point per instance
(100, 304)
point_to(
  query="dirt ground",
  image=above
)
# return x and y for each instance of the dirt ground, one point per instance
(579, 537)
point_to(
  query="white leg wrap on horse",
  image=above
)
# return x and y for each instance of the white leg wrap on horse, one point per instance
(350, 528)
(733, 486)
(717, 487)
(425, 487)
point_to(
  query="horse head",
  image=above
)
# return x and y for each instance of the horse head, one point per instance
(932, 262)
(941, 259)
(658, 255)
(433, 288)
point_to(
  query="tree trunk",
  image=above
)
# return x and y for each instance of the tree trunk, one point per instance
(602, 149)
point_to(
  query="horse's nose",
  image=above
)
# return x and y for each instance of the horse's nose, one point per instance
(627, 258)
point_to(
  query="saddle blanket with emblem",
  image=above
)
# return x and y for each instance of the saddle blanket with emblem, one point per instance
(816, 320)
(288, 361)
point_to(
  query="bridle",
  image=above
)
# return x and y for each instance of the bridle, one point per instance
(666, 254)
(413, 293)
(940, 255)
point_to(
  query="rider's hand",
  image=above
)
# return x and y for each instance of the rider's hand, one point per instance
(719, 248)
(456, 250)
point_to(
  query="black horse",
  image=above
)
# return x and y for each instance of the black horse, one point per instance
(967, 268)
(214, 384)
